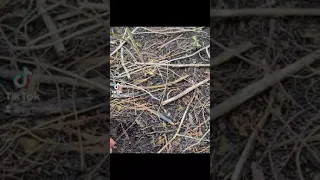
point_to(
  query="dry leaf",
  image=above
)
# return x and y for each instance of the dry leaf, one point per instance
(161, 140)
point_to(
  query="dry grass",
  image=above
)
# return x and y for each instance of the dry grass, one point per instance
(158, 65)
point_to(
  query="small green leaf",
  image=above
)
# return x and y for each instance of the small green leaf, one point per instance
(139, 45)
(153, 141)
(196, 41)
(164, 124)
(161, 140)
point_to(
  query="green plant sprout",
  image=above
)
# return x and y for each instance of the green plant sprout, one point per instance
(164, 125)
(196, 41)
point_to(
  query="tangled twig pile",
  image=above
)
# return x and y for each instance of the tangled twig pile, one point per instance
(62, 133)
(159, 70)
(265, 112)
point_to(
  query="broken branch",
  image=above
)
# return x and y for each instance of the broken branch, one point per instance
(261, 85)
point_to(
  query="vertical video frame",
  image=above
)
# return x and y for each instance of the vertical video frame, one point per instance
(160, 89)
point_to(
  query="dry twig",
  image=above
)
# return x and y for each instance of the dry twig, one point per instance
(184, 92)
(265, 12)
(181, 122)
(250, 142)
(227, 55)
(261, 85)
(52, 28)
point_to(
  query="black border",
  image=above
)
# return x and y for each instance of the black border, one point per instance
(160, 13)
(160, 166)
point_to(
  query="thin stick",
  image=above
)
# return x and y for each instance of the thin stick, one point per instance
(167, 84)
(176, 65)
(246, 150)
(265, 12)
(184, 57)
(122, 42)
(52, 28)
(82, 31)
(190, 137)
(207, 50)
(99, 6)
(34, 41)
(163, 45)
(235, 53)
(227, 55)
(261, 85)
(185, 92)
(181, 122)
(123, 64)
(196, 142)
(166, 31)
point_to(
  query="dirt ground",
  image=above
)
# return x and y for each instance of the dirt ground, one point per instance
(137, 130)
(287, 145)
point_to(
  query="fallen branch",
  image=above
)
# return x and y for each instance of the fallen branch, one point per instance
(60, 49)
(98, 6)
(261, 85)
(123, 64)
(162, 46)
(176, 65)
(185, 92)
(77, 33)
(180, 125)
(265, 12)
(184, 57)
(227, 55)
(167, 84)
(197, 143)
(212, 40)
(246, 150)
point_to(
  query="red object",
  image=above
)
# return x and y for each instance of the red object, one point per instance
(112, 144)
